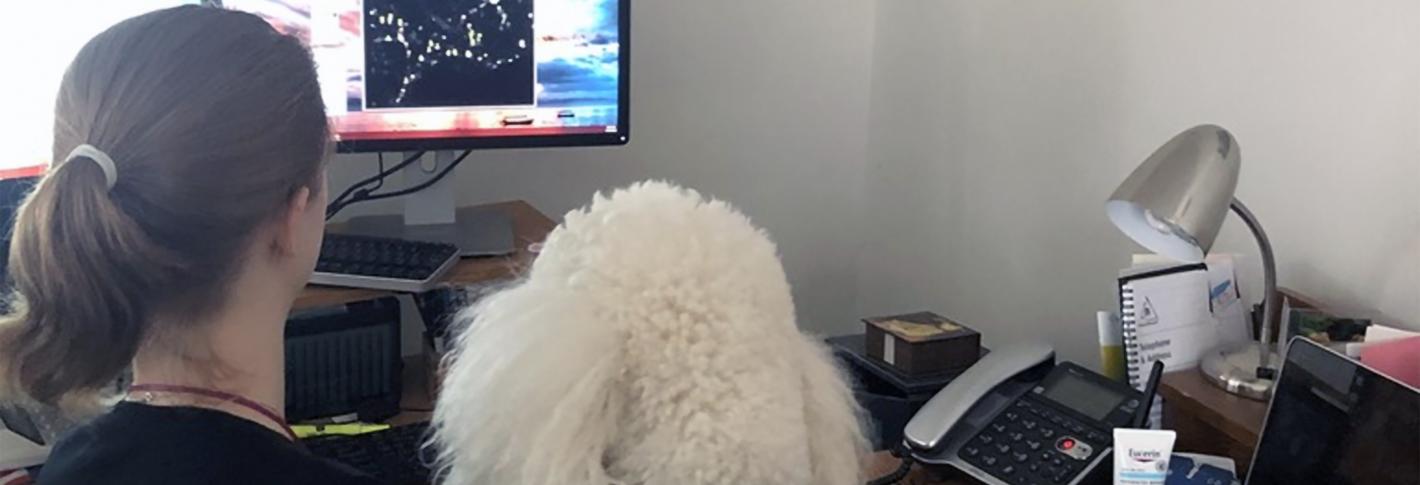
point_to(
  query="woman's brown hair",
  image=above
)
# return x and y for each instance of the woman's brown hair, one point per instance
(214, 122)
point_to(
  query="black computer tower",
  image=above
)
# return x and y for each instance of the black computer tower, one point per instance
(345, 359)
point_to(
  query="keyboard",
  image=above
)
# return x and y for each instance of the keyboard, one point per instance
(382, 263)
(396, 456)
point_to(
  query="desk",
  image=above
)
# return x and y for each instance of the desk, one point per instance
(1209, 420)
(529, 226)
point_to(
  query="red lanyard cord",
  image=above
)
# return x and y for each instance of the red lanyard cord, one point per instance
(221, 396)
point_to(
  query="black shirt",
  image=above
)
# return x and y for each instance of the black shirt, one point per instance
(156, 445)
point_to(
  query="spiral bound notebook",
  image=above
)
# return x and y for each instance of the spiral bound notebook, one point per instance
(1166, 315)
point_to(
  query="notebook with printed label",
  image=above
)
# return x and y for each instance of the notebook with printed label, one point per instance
(1166, 316)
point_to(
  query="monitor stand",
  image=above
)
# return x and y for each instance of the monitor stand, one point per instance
(432, 215)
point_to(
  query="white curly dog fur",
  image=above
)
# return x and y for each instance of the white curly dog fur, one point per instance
(652, 343)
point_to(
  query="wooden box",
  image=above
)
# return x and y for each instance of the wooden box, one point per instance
(922, 342)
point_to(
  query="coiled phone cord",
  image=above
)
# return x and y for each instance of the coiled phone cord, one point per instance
(902, 470)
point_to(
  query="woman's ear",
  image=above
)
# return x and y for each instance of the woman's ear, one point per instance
(293, 221)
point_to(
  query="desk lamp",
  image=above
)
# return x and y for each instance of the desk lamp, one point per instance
(1174, 204)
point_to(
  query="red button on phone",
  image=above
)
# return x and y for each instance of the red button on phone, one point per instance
(1067, 443)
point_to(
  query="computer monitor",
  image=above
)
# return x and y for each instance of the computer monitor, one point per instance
(403, 75)
(14, 187)
(1335, 421)
(397, 75)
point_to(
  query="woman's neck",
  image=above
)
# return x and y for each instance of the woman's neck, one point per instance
(238, 351)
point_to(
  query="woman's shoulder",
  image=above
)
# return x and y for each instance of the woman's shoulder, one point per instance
(185, 445)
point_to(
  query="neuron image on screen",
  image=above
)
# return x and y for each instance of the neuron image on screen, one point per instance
(420, 69)
(448, 54)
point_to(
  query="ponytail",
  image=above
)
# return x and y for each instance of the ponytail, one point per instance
(212, 120)
(82, 272)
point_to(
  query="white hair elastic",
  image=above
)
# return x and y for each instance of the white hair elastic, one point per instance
(99, 157)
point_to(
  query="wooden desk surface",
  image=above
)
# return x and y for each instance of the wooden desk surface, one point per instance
(529, 226)
(1209, 420)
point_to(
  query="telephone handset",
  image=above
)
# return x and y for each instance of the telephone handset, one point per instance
(1016, 417)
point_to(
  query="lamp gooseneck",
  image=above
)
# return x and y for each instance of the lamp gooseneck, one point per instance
(1272, 301)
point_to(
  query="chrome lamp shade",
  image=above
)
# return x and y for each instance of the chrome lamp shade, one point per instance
(1175, 202)
(1174, 205)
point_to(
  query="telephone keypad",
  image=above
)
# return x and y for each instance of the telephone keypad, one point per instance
(1025, 447)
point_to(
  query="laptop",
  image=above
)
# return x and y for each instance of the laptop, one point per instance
(1334, 421)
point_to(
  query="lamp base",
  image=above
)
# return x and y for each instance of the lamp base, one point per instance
(1234, 368)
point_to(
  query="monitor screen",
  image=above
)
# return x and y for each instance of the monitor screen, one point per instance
(452, 74)
(395, 74)
(1333, 421)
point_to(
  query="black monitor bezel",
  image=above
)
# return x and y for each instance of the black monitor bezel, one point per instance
(1302, 344)
(621, 137)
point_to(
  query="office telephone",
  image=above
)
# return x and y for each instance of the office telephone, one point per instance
(1018, 418)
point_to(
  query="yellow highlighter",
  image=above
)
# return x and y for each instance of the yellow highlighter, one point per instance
(304, 431)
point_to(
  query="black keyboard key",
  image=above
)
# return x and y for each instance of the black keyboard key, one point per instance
(1047, 433)
(988, 460)
(1011, 416)
(1057, 462)
(1062, 476)
(1007, 471)
(1076, 428)
(1015, 436)
(1097, 438)
(998, 427)
(970, 451)
(395, 455)
(1003, 448)
(1029, 424)
(1032, 445)
(1020, 457)
(985, 439)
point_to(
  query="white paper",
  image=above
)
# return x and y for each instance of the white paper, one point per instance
(18, 452)
(1225, 298)
(889, 350)
(1382, 333)
(1174, 322)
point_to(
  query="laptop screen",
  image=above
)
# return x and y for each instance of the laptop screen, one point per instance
(1333, 421)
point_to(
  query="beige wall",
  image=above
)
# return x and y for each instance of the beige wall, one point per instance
(999, 128)
(975, 183)
(760, 103)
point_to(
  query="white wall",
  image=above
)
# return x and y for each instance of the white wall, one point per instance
(999, 128)
(760, 103)
(996, 131)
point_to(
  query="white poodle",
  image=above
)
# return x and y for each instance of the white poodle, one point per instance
(652, 343)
